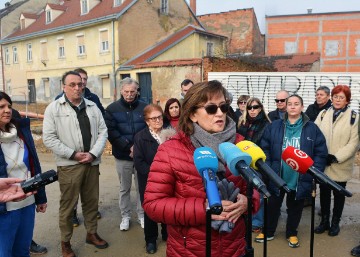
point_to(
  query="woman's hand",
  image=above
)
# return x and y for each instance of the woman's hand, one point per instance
(232, 211)
(41, 207)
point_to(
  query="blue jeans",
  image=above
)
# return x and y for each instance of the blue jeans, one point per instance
(16, 231)
(258, 218)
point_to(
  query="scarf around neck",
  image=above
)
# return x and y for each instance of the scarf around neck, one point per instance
(203, 138)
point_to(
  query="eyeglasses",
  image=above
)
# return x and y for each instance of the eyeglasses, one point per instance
(242, 102)
(255, 107)
(72, 85)
(338, 97)
(212, 108)
(280, 100)
(154, 119)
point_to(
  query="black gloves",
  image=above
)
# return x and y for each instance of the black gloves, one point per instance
(330, 159)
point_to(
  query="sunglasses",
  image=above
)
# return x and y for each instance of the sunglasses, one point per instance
(242, 102)
(212, 108)
(280, 100)
(255, 107)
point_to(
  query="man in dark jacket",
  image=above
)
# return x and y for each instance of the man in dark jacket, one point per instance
(124, 118)
(322, 102)
(280, 101)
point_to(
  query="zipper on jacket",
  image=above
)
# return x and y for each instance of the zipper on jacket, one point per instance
(184, 237)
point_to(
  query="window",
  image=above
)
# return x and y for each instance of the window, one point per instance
(29, 52)
(7, 56)
(61, 48)
(81, 45)
(48, 16)
(210, 49)
(15, 55)
(164, 7)
(84, 7)
(332, 48)
(118, 2)
(290, 47)
(106, 93)
(104, 41)
(357, 45)
(43, 51)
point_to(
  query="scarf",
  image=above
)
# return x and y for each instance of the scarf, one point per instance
(337, 112)
(203, 138)
(252, 127)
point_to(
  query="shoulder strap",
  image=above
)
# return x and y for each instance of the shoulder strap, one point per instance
(353, 117)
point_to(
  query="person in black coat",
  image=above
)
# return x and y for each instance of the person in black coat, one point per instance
(146, 143)
(322, 102)
(280, 101)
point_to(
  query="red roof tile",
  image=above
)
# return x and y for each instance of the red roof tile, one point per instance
(72, 16)
(167, 43)
(57, 7)
(30, 15)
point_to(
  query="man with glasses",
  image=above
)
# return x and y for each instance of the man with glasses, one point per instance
(74, 129)
(322, 102)
(280, 101)
(124, 118)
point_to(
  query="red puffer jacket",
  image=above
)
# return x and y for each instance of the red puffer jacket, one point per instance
(175, 196)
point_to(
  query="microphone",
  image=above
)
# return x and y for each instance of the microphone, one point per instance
(206, 162)
(258, 162)
(299, 161)
(38, 181)
(238, 163)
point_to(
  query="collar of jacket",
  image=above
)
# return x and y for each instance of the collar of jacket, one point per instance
(128, 105)
(305, 118)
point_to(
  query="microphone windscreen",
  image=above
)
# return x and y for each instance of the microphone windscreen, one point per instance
(298, 160)
(232, 155)
(253, 150)
(205, 158)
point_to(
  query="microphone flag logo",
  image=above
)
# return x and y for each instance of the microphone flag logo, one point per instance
(300, 154)
(292, 163)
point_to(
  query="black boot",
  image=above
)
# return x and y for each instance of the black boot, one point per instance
(324, 224)
(335, 228)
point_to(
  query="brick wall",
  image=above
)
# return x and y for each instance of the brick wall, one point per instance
(336, 36)
(241, 28)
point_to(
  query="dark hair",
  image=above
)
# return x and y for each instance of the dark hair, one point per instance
(242, 98)
(80, 70)
(342, 88)
(167, 107)
(295, 95)
(5, 96)
(325, 89)
(198, 94)
(67, 74)
(186, 82)
(151, 107)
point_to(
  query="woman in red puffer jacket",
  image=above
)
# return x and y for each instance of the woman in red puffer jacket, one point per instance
(175, 193)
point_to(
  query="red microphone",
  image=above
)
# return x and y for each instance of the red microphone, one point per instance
(297, 160)
(301, 162)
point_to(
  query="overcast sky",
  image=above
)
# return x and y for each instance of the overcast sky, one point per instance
(269, 7)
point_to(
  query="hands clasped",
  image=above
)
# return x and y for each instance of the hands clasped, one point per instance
(83, 157)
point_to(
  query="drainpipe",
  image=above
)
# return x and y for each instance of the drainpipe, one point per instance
(113, 58)
(2, 68)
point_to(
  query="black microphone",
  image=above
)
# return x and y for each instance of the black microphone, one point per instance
(238, 163)
(258, 162)
(299, 161)
(38, 181)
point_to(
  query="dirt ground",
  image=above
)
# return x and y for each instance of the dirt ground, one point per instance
(131, 243)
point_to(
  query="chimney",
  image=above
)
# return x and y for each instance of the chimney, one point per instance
(193, 6)
(309, 10)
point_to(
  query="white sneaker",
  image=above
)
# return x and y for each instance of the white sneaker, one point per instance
(141, 222)
(125, 223)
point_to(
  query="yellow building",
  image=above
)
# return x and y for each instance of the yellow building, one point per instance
(96, 35)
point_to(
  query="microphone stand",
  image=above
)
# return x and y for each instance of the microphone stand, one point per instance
(265, 225)
(208, 232)
(249, 251)
(313, 195)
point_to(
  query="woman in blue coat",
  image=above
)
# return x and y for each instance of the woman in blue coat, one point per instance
(298, 131)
